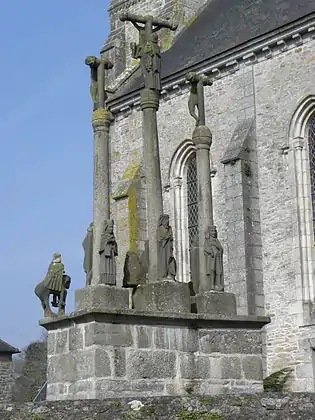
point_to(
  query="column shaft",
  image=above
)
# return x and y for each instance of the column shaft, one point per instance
(149, 104)
(101, 183)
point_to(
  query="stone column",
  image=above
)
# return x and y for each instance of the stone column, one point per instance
(101, 120)
(149, 106)
(202, 139)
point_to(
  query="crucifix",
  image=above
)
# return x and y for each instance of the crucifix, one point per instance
(148, 49)
(101, 120)
(196, 98)
(97, 85)
(149, 53)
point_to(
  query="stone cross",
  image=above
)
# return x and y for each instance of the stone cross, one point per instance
(97, 86)
(210, 266)
(148, 51)
(101, 120)
(196, 98)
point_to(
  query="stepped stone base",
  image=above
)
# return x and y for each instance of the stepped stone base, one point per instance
(101, 297)
(220, 303)
(99, 354)
(167, 295)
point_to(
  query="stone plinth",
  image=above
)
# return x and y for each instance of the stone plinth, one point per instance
(219, 303)
(167, 295)
(104, 354)
(101, 297)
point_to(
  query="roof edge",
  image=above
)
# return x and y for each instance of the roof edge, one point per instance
(221, 59)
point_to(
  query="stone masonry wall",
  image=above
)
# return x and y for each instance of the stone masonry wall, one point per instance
(142, 357)
(263, 407)
(268, 90)
(6, 378)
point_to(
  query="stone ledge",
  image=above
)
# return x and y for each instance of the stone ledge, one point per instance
(132, 316)
(228, 407)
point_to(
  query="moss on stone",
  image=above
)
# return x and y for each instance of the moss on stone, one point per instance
(122, 188)
(198, 415)
(133, 218)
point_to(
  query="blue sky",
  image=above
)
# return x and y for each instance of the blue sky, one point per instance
(46, 148)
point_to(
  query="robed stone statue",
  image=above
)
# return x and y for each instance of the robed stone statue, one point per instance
(88, 254)
(97, 76)
(108, 251)
(166, 260)
(214, 259)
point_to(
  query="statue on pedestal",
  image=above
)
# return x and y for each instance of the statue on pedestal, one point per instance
(108, 251)
(55, 283)
(214, 260)
(88, 254)
(166, 260)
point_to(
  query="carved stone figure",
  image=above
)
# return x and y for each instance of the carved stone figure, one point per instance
(108, 251)
(214, 259)
(55, 283)
(148, 50)
(88, 254)
(166, 260)
(97, 88)
(196, 97)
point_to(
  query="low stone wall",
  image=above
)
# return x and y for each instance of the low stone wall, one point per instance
(6, 377)
(262, 406)
(105, 354)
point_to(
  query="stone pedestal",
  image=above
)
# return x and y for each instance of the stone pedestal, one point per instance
(216, 303)
(163, 296)
(105, 354)
(101, 297)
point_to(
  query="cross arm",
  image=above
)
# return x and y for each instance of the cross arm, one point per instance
(130, 17)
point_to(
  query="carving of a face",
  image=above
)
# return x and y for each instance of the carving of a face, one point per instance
(111, 228)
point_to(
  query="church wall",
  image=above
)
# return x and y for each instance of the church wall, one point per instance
(280, 84)
(270, 91)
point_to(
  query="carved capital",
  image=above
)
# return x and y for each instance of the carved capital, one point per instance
(102, 118)
(202, 137)
(178, 182)
(150, 99)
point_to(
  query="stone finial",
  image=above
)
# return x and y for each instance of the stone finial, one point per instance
(202, 136)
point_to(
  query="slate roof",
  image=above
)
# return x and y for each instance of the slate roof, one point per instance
(6, 348)
(221, 26)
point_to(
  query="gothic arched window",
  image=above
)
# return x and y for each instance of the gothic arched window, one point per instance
(192, 198)
(311, 148)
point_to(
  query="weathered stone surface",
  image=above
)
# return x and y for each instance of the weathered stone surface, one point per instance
(216, 303)
(230, 407)
(194, 366)
(108, 335)
(144, 337)
(108, 388)
(62, 341)
(76, 335)
(6, 378)
(157, 364)
(164, 296)
(101, 297)
(236, 341)
(231, 368)
(181, 339)
(252, 367)
(119, 355)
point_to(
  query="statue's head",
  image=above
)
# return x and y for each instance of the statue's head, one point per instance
(90, 228)
(164, 220)
(211, 232)
(109, 226)
(57, 257)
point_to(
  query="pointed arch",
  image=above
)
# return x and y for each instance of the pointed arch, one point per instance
(304, 173)
(178, 193)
